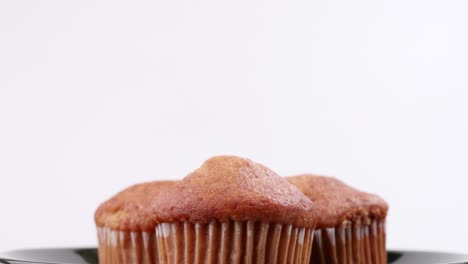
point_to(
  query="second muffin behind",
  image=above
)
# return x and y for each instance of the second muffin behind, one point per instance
(351, 223)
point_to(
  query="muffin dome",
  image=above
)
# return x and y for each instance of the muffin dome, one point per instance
(229, 188)
(351, 223)
(336, 202)
(129, 210)
(125, 227)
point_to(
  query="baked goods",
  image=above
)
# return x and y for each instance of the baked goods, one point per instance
(233, 210)
(125, 225)
(351, 223)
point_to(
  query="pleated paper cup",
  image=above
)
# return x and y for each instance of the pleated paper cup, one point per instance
(116, 246)
(233, 242)
(357, 242)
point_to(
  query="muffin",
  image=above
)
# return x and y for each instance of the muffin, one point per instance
(232, 210)
(125, 225)
(350, 225)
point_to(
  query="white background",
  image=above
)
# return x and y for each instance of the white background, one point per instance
(95, 96)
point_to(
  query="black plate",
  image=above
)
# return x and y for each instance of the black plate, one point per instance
(89, 256)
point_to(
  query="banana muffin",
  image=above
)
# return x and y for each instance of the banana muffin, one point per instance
(125, 225)
(233, 210)
(350, 224)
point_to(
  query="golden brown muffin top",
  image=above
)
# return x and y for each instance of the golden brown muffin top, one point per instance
(129, 209)
(228, 188)
(335, 202)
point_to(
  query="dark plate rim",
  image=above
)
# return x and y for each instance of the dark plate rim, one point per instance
(393, 254)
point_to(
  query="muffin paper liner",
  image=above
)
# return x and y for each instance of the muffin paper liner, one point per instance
(358, 242)
(233, 242)
(116, 246)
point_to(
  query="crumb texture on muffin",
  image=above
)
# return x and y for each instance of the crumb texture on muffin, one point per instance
(129, 210)
(229, 188)
(335, 202)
